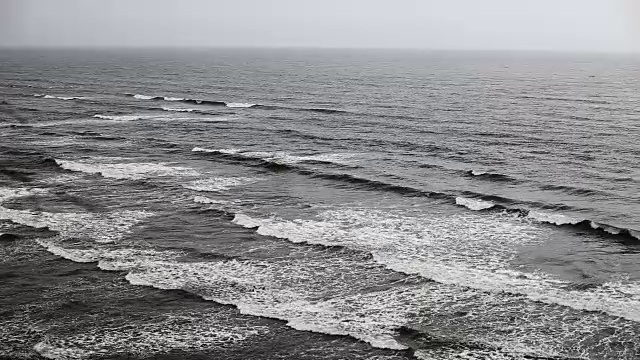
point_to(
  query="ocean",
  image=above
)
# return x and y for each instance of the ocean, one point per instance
(319, 204)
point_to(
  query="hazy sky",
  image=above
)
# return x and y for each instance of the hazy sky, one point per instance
(591, 25)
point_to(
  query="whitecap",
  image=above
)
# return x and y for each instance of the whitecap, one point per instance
(552, 218)
(462, 250)
(62, 97)
(121, 117)
(177, 109)
(206, 200)
(240, 105)
(474, 204)
(143, 97)
(125, 170)
(222, 151)
(218, 184)
(286, 157)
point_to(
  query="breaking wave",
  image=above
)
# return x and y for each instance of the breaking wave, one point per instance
(183, 100)
(122, 117)
(61, 97)
(116, 169)
(219, 184)
(237, 104)
(283, 158)
(398, 242)
(474, 201)
(240, 105)
(474, 204)
(490, 176)
(178, 109)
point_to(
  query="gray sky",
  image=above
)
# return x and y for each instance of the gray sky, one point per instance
(566, 25)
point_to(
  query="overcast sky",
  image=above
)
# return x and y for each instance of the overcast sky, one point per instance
(565, 25)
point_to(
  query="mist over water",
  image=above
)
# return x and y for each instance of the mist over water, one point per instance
(356, 204)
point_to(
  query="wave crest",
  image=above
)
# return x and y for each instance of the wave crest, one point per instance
(474, 204)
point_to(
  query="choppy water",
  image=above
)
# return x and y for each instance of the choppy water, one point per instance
(414, 204)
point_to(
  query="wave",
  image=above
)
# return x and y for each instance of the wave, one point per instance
(99, 227)
(505, 178)
(280, 158)
(237, 104)
(557, 98)
(122, 117)
(490, 176)
(204, 102)
(397, 241)
(474, 204)
(183, 100)
(572, 190)
(240, 105)
(219, 184)
(558, 219)
(61, 97)
(144, 97)
(116, 169)
(586, 225)
(366, 301)
(361, 308)
(206, 200)
(178, 109)
(303, 109)
(471, 200)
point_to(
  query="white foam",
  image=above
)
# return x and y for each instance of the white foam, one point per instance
(218, 184)
(176, 330)
(247, 221)
(474, 204)
(11, 193)
(177, 109)
(122, 117)
(222, 151)
(610, 229)
(285, 157)
(337, 293)
(75, 255)
(166, 98)
(72, 140)
(98, 227)
(240, 105)
(56, 352)
(62, 97)
(125, 170)
(206, 200)
(269, 289)
(477, 172)
(143, 97)
(463, 250)
(552, 218)
(312, 294)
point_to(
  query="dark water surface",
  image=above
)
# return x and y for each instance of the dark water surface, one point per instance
(308, 204)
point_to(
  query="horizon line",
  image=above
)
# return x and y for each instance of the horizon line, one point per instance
(307, 47)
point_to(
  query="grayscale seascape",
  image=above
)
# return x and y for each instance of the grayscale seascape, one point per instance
(306, 180)
(367, 205)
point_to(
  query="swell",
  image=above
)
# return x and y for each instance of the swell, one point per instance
(567, 189)
(493, 203)
(491, 176)
(572, 190)
(556, 98)
(315, 110)
(366, 142)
